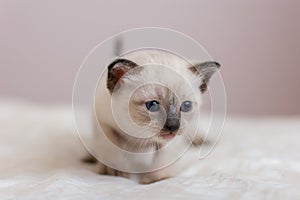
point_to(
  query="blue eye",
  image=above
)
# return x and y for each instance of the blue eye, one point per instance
(186, 106)
(152, 106)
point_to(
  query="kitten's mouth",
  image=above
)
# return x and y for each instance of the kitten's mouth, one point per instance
(168, 136)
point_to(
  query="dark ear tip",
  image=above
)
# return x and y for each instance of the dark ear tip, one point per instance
(116, 70)
(120, 60)
(218, 65)
(210, 64)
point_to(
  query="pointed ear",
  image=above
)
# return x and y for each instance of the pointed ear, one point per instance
(205, 70)
(116, 70)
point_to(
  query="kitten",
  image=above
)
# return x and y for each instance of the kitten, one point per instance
(148, 102)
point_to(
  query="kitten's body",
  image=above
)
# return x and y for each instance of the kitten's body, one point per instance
(120, 109)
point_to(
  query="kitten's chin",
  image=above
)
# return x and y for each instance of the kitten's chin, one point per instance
(168, 136)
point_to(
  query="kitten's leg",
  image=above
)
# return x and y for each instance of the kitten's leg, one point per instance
(103, 169)
(152, 177)
(198, 140)
(158, 175)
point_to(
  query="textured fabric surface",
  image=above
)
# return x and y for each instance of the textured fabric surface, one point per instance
(256, 158)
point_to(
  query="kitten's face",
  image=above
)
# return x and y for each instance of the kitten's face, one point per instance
(164, 112)
(156, 101)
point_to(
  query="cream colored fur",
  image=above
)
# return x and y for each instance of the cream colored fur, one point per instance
(156, 67)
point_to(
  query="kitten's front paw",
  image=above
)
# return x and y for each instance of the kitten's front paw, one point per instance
(147, 179)
(198, 140)
(112, 172)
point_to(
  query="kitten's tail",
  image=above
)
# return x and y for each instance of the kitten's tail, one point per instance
(118, 47)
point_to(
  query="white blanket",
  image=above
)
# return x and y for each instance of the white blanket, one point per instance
(256, 158)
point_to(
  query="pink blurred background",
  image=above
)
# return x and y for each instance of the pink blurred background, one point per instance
(43, 44)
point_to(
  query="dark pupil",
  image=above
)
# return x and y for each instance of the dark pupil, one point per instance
(186, 106)
(152, 106)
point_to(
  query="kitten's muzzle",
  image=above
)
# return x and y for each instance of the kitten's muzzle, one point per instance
(172, 124)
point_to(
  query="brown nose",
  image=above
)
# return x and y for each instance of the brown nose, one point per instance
(172, 124)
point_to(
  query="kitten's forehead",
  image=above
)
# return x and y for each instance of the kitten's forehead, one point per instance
(166, 60)
(167, 71)
(150, 92)
(160, 92)
(160, 57)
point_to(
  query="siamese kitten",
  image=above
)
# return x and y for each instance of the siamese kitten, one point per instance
(148, 101)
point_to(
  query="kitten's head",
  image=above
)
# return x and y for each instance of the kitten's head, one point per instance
(156, 94)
